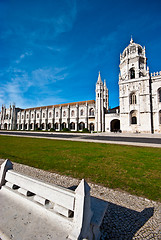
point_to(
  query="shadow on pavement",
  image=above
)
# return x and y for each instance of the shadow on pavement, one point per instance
(122, 223)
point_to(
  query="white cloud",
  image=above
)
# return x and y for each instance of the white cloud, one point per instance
(22, 56)
(45, 76)
(17, 89)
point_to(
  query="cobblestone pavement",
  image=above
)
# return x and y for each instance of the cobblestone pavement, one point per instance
(127, 216)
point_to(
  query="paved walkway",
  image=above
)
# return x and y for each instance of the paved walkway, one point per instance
(127, 216)
(146, 140)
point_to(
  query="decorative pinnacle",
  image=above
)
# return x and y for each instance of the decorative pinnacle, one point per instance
(105, 83)
(99, 78)
(131, 41)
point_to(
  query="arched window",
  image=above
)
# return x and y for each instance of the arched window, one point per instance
(72, 126)
(56, 114)
(72, 113)
(43, 115)
(160, 117)
(32, 115)
(132, 49)
(133, 98)
(132, 73)
(139, 50)
(159, 95)
(56, 125)
(64, 113)
(64, 125)
(81, 112)
(91, 127)
(81, 125)
(141, 74)
(49, 114)
(38, 115)
(27, 116)
(91, 112)
(133, 120)
(133, 117)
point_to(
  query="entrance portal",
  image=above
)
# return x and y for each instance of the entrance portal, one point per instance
(115, 125)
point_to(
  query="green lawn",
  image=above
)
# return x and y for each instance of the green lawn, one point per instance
(133, 169)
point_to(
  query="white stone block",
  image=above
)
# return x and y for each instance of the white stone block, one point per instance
(53, 193)
(40, 200)
(82, 213)
(61, 210)
(24, 192)
(10, 185)
(4, 168)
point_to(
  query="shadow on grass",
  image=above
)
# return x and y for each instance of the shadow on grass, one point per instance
(123, 223)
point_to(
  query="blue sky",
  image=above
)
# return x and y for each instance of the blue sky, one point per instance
(51, 51)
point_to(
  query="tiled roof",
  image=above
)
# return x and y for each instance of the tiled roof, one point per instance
(118, 107)
(62, 105)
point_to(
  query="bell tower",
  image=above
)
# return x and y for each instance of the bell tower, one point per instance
(101, 104)
(134, 89)
(133, 62)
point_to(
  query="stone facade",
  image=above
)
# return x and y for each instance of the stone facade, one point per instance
(139, 110)
(74, 116)
(140, 92)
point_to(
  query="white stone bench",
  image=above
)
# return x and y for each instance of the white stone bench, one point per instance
(32, 209)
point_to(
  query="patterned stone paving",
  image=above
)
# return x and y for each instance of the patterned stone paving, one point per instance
(127, 216)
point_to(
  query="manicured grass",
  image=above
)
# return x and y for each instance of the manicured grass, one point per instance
(133, 169)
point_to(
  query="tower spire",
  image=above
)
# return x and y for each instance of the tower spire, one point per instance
(131, 41)
(99, 78)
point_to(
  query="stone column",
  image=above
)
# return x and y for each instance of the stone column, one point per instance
(34, 119)
(77, 117)
(86, 115)
(60, 118)
(29, 119)
(40, 118)
(23, 125)
(53, 118)
(68, 117)
(46, 119)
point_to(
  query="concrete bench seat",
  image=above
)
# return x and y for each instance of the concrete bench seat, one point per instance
(32, 209)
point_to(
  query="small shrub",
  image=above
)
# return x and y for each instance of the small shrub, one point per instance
(85, 130)
(65, 130)
(52, 130)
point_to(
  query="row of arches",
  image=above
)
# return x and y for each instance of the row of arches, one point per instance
(73, 113)
(132, 74)
(56, 126)
(72, 126)
(64, 114)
